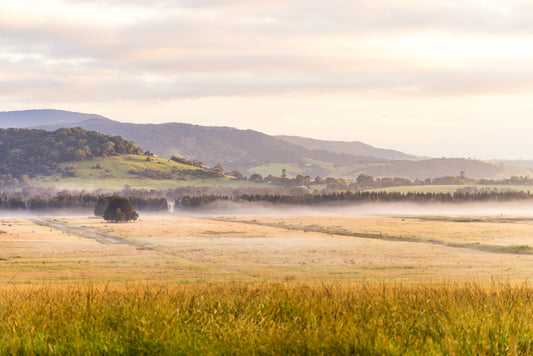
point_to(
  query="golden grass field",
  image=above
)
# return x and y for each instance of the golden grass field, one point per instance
(311, 249)
(266, 285)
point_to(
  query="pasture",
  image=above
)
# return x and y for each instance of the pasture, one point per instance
(114, 173)
(310, 249)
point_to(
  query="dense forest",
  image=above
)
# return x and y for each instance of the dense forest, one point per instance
(32, 152)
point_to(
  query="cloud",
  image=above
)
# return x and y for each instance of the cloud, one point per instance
(240, 48)
(360, 15)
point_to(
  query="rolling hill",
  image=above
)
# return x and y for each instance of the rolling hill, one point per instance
(81, 159)
(254, 152)
(230, 147)
(211, 145)
(133, 171)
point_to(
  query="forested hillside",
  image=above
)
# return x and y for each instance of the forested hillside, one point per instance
(31, 152)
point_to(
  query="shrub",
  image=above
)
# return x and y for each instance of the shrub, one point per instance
(120, 210)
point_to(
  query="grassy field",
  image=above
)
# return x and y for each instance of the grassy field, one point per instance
(114, 174)
(270, 319)
(307, 249)
(266, 285)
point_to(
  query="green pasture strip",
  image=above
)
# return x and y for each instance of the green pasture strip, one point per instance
(467, 219)
(114, 173)
(512, 249)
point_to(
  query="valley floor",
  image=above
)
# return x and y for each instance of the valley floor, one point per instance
(311, 249)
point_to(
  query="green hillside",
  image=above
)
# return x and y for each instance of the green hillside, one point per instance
(74, 158)
(134, 171)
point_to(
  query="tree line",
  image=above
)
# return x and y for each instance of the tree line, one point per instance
(191, 202)
(99, 203)
(77, 201)
(365, 181)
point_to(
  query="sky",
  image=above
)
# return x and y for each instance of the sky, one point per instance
(440, 78)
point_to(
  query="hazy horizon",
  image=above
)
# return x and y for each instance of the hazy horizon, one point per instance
(441, 79)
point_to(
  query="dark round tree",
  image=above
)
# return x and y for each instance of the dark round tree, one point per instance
(120, 210)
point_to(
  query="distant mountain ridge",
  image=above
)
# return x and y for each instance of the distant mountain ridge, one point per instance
(212, 145)
(353, 147)
(32, 118)
(255, 152)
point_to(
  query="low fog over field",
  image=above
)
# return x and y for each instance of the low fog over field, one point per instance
(367, 209)
(519, 209)
(36, 214)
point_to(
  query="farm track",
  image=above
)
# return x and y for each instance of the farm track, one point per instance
(511, 249)
(64, 227)
(108, 239)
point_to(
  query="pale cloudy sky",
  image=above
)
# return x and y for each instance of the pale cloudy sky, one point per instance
(437, 78)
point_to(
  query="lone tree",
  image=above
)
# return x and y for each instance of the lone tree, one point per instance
(120, 210)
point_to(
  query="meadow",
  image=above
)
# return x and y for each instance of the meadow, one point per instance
(114, 173)
(269, 284)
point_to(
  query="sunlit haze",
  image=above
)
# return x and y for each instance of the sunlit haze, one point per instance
(435, 78)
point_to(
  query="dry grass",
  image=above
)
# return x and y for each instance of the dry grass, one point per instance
(268, 319)
(305, 249)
